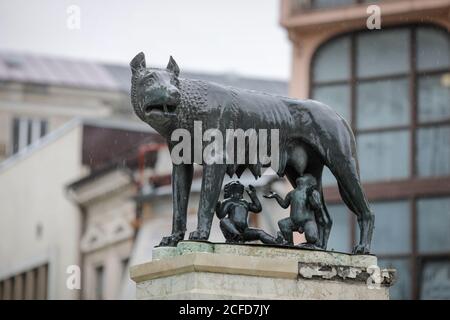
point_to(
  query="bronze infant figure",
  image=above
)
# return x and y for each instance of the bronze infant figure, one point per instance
(233, 215)
(307, 214)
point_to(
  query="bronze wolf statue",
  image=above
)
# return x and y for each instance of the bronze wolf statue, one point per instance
(311, 136)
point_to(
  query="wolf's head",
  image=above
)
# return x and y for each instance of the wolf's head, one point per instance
(155, 93)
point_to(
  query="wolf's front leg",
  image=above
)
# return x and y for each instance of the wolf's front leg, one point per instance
(181, 187)
(209, 194)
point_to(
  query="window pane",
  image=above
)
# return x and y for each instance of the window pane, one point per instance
(433, 151)
(15, 135)
(99, 282)
(392, 233)
(319, 4)
(336, 96)
(383, 156)
(402, 286)
(23, 129)
(35, 130)
(125, 262)
(328, 178)
(435, 280)
(340, 232)
(433, 224)
(392, 225)
(332, 61)
(373, 59)
(43, 127)
(389, 108)
(433, 49)
(29, 126)
(434, 97)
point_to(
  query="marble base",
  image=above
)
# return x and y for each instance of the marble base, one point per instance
(204, 270)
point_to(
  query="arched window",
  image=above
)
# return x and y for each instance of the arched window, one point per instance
(393, 87)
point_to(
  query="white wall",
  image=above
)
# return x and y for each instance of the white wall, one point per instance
(32, 192)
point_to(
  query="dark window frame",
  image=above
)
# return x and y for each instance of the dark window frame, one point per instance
(15, 135)
(43, 124)
(311, 7)
(99, 272)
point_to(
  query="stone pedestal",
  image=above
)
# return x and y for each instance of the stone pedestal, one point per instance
(204, 270)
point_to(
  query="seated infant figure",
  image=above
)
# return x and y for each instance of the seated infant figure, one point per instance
(307, 214)
(233, 215)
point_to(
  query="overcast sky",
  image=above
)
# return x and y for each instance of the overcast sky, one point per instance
(235, 36)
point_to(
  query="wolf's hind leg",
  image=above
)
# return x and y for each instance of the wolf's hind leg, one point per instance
(353, 196)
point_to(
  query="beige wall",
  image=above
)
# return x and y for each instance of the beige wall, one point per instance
(109, 220)
(32, 192)
(110, 258)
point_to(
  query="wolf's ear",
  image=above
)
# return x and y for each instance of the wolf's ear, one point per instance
(173, 67)
(138, 62)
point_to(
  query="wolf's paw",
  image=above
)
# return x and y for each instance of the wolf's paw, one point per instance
(361, 249)
(309, 246)
(199, 235)
(280, 239)
(172, 240)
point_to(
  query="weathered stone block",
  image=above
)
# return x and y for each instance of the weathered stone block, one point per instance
(204, 270)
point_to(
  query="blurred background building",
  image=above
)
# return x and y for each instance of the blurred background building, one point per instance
(83, 182)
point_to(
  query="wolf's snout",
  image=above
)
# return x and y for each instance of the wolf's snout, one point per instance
(175, 94)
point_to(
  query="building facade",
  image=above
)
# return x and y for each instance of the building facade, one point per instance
(70, 178)
(41, 223)
(393, 87)
(38, 94)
